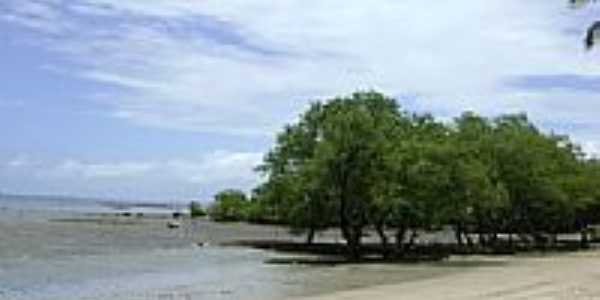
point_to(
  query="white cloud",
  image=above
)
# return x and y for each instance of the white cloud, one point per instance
(203, 176)
(246, 67)
(78, 169)
(20, 161)
(43, 16)
(591, 148)
(221, 166)
(218, 166)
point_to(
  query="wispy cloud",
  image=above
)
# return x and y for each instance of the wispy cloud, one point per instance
(203, 176)
(42, 16)
(20, 161)
(77, 169)
(245, 67)
(215, 167)
(569, 82)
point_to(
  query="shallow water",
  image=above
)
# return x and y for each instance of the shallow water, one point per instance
(70, 254)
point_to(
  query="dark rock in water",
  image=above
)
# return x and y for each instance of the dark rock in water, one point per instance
(126, 214)
(173, 225)
(177, 215)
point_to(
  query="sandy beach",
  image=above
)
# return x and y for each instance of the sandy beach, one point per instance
(561, 276)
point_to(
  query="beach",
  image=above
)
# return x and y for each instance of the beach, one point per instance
(80, 250)
(94, 254)
(299, 150)
(557, 276)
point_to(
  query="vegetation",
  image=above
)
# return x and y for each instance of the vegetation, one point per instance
(361, 162)
(591, 37)
(230, 206)
(196, 210)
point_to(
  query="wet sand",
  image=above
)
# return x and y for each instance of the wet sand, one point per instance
(48, 256)
(571, 276)
(73, 256)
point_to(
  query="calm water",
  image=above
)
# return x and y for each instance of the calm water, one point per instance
(57, 249)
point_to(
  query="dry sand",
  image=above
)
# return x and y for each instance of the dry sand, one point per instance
(566, 276)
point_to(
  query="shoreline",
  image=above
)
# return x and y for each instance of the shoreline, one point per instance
(72, 256)
(557, 276)
(193, 270)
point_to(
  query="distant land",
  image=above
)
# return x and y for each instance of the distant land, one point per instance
(39, 197)
(117, 204)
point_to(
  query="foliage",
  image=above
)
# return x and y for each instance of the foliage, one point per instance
(196, 210)
(593, 32)
(229, 206)
(361, 162)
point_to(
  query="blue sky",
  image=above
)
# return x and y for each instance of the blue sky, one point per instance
(175, 99)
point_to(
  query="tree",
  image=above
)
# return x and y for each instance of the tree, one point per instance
(361, 163)
(292, 192)
(196, 210)
(229, 206)
(418, 177)
(593, 32)
(533, 167)
(331, 158)
(483, 191)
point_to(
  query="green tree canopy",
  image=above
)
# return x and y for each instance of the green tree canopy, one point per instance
(360, 162)
(229, 206)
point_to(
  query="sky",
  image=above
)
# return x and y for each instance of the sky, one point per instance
(177, 99)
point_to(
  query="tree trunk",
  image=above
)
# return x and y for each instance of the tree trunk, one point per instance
(469, 240)
(354, 243)
(384, 239)
(310, 236)
(344, 221)
(494, 237)
(458, 234)
(554, 239)
(525, 240)
(400, 236)
(353, 236)
(481, 239)
(413, 238)
(585, 243)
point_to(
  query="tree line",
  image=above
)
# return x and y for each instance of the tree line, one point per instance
(361, 163)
